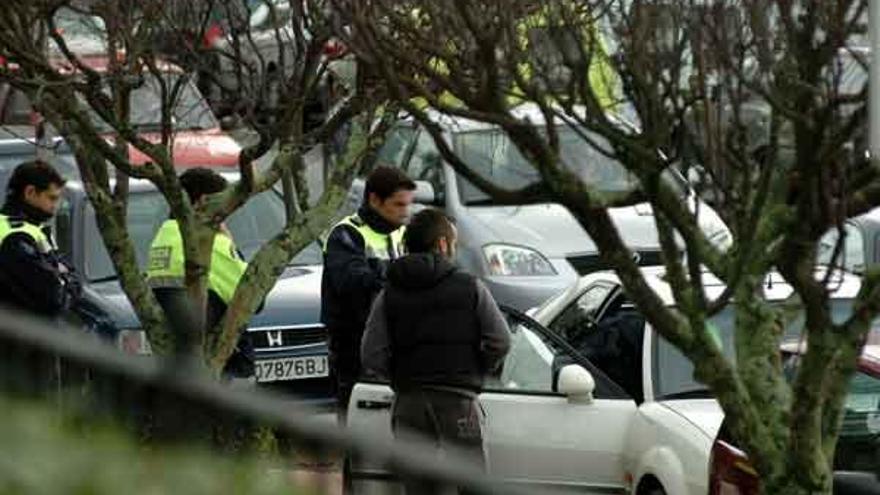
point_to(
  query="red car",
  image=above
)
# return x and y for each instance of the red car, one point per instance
(857, 458)
(198, 138)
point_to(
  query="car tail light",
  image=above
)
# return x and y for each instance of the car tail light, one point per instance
(730, 472)
(134, 342)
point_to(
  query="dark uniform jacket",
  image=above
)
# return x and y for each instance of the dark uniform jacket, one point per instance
(30, 280)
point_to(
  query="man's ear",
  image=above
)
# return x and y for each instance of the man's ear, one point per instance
(29, 191)
(373, 200)
(443, 246)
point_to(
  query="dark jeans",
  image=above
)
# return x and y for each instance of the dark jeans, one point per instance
(445, 419)
(345, 368)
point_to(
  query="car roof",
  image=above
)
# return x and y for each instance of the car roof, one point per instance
(144, 185)
(843, 285)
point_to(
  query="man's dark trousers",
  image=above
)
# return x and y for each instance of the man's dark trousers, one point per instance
(446, 419)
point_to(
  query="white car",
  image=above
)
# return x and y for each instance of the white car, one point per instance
(590, 399)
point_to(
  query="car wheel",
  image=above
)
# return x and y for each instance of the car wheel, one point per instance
(657, 490)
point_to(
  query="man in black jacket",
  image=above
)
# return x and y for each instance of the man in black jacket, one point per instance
(33, 276)
(356, 255)
(435, 332)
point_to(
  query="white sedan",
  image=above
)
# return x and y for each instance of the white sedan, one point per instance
(590, 399)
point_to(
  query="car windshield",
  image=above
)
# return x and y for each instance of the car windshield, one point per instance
(65, 164)
(851, 257)
(252, 225)
(190, 111)
(494, 156)
(673, 373)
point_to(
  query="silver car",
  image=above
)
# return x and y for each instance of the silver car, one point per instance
(524, 253)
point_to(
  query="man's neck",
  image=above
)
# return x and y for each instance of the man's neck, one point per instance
(22, 210)
(376, 222)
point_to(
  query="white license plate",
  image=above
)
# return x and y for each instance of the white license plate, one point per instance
(294, 368)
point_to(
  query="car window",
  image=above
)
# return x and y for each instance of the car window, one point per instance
(395, 150)
(496, 158)
(858, 447)
(533, 363)
(190, 110)
(17, 108)
(263, 17)
(576, 320)
(63, 226)
(615, 345)
(252, 225)
(852, 258)
(426, 163)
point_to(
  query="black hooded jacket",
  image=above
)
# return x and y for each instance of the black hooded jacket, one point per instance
(434, 325)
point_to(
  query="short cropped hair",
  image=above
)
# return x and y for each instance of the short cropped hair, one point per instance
(200, 181)
(425, 229)
(35, 173)
(384, 181)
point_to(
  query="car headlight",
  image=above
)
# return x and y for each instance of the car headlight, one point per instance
(504, 259)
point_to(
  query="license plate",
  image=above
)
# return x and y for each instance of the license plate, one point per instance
(294, 368)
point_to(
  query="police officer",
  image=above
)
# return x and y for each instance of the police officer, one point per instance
(166, 271)
(435, 332)
(355, 260)
(33, 276)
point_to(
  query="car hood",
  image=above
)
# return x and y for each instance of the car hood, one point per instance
(294, 300)
(705, 414)
(211, 148)
(554, 230)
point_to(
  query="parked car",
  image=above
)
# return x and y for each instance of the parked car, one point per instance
(266, 52)
(594, 397)
(288, 337)
(861, 248)
(198, 139)
(524, 253)
(857, 455)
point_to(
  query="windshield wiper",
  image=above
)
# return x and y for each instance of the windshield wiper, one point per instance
(108, 278)
(697, 393)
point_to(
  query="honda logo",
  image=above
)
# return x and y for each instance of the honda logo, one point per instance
(274, 338)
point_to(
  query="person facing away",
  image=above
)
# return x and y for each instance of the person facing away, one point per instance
(166, 271)
(33, 276)
(435, 332)
(356, 254)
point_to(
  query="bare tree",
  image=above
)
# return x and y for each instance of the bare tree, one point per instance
(163, 45)
(751, 89)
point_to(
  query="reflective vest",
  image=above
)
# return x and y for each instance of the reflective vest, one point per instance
(376, 244)
(10, 226)
(165, 267)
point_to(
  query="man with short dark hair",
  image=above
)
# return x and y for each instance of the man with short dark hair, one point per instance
(166, 271)
(435, 332)
(356, 254)
(33, 276)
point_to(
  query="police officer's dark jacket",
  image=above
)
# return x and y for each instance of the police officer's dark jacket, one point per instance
(433, 328)
(352, 278)
(30, 278)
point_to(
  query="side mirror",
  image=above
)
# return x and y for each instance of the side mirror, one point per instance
(424, 193)
(576, 383)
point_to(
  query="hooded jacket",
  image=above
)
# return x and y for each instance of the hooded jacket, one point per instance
(434, 325)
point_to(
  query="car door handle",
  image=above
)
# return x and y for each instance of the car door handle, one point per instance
(373, 404)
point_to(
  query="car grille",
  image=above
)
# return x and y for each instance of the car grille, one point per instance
(589, 263)
(278, 338)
